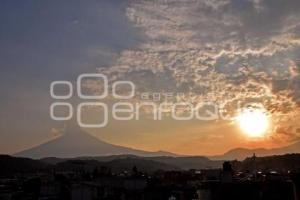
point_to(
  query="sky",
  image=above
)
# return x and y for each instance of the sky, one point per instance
(223, 51)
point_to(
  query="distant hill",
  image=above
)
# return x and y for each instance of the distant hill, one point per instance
(115, 166)
(183, 163)
(242, 153)
(276, 163)
(144, 165)
(126, 162)
(186, 163)
(10, 165)
(75, 142)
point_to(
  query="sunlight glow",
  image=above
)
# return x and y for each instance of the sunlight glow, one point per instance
(254, 123)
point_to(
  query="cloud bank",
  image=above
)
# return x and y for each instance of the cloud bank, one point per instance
(224, 51)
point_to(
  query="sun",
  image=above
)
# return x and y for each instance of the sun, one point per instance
(254, 123)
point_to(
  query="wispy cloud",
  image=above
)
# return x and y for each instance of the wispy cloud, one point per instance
(225, 51)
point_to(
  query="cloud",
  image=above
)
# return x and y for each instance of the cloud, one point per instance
(223, 51)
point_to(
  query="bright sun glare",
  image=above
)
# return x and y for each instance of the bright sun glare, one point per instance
(253, 122)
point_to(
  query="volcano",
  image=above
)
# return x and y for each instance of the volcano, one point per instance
(77, 143)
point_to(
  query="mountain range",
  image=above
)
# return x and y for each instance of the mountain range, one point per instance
(182, 162)
(9, 165)
(76, 143)
(242, 153)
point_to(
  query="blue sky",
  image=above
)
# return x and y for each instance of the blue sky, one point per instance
(43, 41)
